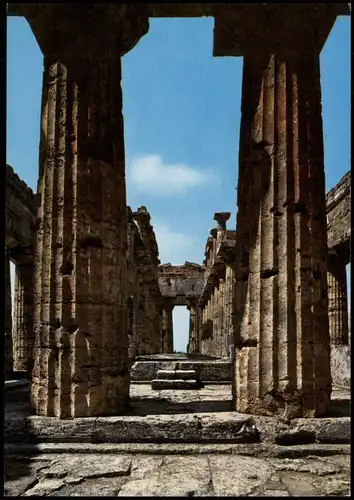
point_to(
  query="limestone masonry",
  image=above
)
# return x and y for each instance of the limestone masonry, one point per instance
(269, 301)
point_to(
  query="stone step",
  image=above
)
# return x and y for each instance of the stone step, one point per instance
(168, 384)
(179, 428)
(185, 448)
(207, 371)
(176, 375)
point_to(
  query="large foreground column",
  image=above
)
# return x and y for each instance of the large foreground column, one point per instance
(282, 339)
(81, 364)
(23, 318)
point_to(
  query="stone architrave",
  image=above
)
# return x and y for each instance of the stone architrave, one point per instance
(81, 364)
(282, 339)
(23, 318)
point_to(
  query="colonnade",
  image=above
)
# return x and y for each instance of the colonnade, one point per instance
(280, 307)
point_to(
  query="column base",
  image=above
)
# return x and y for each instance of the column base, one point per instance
(109, 399)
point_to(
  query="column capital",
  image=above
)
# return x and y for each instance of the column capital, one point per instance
(142, 216)
(246, 28)
(75, 29)
(221, 218)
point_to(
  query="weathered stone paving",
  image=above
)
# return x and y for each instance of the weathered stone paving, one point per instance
(182, 475)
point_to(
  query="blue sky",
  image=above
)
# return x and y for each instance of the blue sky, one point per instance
(182, 114)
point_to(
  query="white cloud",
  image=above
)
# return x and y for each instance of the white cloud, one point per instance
(173, 247)
(151, 175)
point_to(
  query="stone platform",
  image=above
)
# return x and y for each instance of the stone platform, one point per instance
(209, 370)
(201, 416)
(178, 443)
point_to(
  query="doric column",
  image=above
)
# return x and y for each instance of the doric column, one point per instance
(23, 318)
(210, 324)
(81, 364)
(282, 340)
(8, 317)
(229, 307)
(221, 218)
(221, 306)
(337, 300)
(167, 327)
(193, 328)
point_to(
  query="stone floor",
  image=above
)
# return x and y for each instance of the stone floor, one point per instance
(181, 475)
(145, 401)
(183, 469)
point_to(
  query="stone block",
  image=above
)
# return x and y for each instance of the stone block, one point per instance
(340, 365)
(316, 430)
(176, 374)
(207, 371)
(228, 426)
(168, 384)
(150, 429)
(33, 429)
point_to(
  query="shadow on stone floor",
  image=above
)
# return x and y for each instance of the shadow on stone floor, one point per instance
(19, 472)
(339, 408)
(160, 406)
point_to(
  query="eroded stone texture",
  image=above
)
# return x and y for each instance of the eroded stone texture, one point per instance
(148, 323)
(339, 229)
(193, 344)
(8, 317)
(167, 326)
(23, 318)
(337, 299)
(20, 241)
(216, 300)
(338, 209)
(81, 362)
(144, 299)
(282, 359)
(181, 284)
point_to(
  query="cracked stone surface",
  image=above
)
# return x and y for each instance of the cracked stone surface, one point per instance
(174, 416)
(98, 474)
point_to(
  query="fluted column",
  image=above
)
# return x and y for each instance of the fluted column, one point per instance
(282, 339)
(23, 318)
(222, 342)
(167, 327)
(8, 341)
(337, 300)
(193, 329)
(81, 364)
(229, 307)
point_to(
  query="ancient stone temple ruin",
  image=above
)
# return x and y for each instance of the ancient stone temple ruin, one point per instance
(91, 294)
